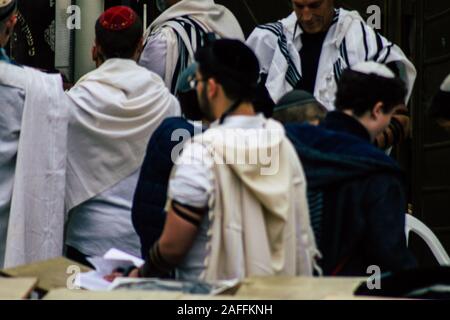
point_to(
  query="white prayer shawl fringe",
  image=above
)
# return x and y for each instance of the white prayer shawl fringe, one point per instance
(36, 222)
(349, 41)
(211, 16)
(114, 111)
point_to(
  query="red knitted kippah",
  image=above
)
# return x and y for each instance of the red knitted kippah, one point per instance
(118, 18)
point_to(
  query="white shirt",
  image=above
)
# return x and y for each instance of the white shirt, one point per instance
(192, 183)
(104, 222)
(153, 56)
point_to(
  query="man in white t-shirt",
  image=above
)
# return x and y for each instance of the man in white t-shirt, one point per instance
(237, 199)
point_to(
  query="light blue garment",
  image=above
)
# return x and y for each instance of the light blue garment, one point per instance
(11, 104)
(104, 222)
(4, 56)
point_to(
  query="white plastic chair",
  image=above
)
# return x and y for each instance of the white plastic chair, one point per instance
(415, 225)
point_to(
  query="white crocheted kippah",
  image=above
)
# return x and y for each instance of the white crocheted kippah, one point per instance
(371, 67)
(445, 86)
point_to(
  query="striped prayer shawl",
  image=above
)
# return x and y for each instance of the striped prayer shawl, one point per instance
(293, 76)
(380, 54)
(191, 36)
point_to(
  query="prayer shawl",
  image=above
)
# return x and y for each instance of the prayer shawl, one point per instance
(116, 108)
(259, 219)
(349, 41)
(36, 221)
(185, 25)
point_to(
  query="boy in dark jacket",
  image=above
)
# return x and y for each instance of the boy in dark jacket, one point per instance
(356, 192)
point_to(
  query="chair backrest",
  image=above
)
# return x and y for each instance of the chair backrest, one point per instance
(415, 225)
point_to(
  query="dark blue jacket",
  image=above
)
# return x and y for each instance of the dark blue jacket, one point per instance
(356, 197)
(148, 213)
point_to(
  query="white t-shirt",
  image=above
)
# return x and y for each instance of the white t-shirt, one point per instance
(153, 56)
(192, 183)
(104, 222)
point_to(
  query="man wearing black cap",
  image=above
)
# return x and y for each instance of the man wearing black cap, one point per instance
(299, 106)
(237, 200)
(33, 127)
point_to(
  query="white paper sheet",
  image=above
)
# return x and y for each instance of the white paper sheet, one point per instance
(112, 260)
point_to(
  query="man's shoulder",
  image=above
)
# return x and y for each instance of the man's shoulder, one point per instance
(172, 127)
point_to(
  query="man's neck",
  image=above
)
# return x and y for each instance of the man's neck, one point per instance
(245, 109)
(362, 121)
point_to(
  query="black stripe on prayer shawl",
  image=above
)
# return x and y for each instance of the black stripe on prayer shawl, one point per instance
(196, 35)
(344, 52)
(388, 53)
(379, 46)
(336, 16)
(293, 76)
(366, 46)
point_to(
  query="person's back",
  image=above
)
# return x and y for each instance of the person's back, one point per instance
(181, 29)
(237, 195)
(32, 157)
(116, 109)
(356, 192)
(12, 102)
(148, 212)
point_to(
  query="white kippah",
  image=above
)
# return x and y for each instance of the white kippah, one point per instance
(371, 67)
(446, 84)
(4, 3)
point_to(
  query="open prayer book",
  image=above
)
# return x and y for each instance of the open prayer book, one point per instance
(114, 259)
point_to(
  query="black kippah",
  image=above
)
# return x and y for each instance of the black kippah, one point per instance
(232, 59)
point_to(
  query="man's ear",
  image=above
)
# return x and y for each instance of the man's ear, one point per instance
(212, 88)
(10, 25)
(97, 55)
(377, 110)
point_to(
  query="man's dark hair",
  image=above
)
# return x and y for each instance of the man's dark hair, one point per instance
(233, 65)
(360, 92)
(119, 44)
(6, 13)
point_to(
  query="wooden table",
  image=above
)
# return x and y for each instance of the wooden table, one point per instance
(15, 289)
(51, 274)
(301, 288)
(65, 294)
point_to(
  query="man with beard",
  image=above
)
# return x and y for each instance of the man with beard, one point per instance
(232, 212)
